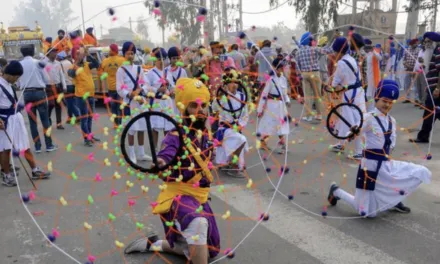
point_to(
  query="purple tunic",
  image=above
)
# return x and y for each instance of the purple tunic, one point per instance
(185, 210)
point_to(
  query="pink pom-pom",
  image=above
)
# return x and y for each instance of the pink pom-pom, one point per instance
(124, 86)
(131, 202)
(180, 87)
(210, 166)
(22, 152)
(96, 116)
(196, 185)
(107, 100)
(141, 81)
(55, 233)
(216, 143)
(206, 34)
(98, 177)
(157, 12)
(163, 81)
(91, 157)
(91, 258)
(201, 18)
(90, 136)
(199, 101)
(153, 204)
(177, 198)
(28, 107)
(48, 68)
(31, 195)
(114, 19)
(114, 193)
(211, 120)
(266, 77)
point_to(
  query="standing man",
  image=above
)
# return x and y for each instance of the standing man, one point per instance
(431, 61)
(308, 62)
(66, 64)
(409, 61)
(372, 60)
(33, 83)
(62, 43)
(238, 57)
(89, 38)
(55, 86)
(110, 66)
(84, 92)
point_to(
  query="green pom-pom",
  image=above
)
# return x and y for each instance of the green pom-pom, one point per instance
(154, 59)
(90, 199)
(205, 77)
(86, 95)
(74, 176)
(180, 64)
(104, 76)
(126, 63)
(111, 217)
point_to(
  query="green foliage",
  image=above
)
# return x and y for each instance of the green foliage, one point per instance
(50, 14)
(180, 17)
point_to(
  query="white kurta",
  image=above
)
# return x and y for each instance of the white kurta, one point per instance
(16, 127)
(389, 68)
(232, 139)
(273, 121)
(344, 76)
(172, 77)
(124, 86)
(394, 176)
(154, 82)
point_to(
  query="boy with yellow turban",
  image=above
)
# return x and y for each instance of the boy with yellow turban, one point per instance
(189, 223)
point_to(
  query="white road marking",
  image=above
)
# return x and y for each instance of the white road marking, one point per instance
(322, 241)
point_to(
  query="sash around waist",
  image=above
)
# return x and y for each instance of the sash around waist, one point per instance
(376, 154)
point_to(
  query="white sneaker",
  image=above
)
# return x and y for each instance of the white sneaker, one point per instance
(318, 117)
(337, 148)
(145, 157)
(307, 119)
(133, 158)
(355, 156)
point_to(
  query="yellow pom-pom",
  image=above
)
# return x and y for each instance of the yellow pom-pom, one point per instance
(180, 105)
(151, 94)
(116, 175)
(195, 238)
(249, 184)
(107, 162)
(129, 184)
(226, 215)
(193, 118)
(144, 189)
(48, 132)
(60, 98)
(119, 244)
(87, 226)
(49, 166)
(179, 179)
(163, 187)
(105, 145)
(106, 129)
(63, 201)
(258, 144)
(79, 71)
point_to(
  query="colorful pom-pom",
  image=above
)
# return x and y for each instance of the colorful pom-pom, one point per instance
(111, 11)
(242, 35)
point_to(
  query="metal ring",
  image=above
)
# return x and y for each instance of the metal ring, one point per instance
(147, 116)
(224, 93)
(355, 130)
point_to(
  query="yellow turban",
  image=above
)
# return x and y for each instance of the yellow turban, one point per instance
(147, 50)
(322, 41)
(190, 90)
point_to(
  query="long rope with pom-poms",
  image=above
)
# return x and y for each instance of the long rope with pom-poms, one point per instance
(156, 9)
(202, 14)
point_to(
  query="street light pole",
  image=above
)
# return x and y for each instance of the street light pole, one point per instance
(82, 14)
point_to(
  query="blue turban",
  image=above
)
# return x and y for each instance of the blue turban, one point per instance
(340, 45)
(434, 36)
(368, 42)
(392, 45)
(160, 53)
(357, 41)
(173, 52)
(278, 63)
(387, 89)
(128, 46)
(249, 45)
(62, 55)
(378, 46)
(49, 39)
(13, 68)
(89, 30)
(306, 38)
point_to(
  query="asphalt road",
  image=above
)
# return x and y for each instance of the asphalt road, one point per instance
(295, 232)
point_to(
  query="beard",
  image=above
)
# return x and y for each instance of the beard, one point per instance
(427, 57)
(198, 124)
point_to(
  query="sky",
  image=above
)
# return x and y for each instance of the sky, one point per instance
(285, 14)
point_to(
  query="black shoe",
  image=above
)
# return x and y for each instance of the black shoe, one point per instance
(141, 244)
(406, 101)
(401, 208)
(11, 168)
(9, 180)
(416, 140)
(40, 175)
(60, 127)
(88, 143)
(95, 139)
(331, 198)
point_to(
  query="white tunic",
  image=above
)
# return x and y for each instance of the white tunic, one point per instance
(344, 76)
(394, 176)
(232, 139)
(389, 68)
(172, 77)
(16, 127)
(273, 121)
(154, 80)
(124, 86)
(371, 89)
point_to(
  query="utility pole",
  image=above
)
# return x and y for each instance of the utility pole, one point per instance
(101, 30)
(219, 19)
(129, 21)
(211, 20)
(240, 12)
(434, 19)
(204, 28)
(82, 15)
(225, 17)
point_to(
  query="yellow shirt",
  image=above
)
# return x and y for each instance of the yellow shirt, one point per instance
(83, 81)
(111, 65)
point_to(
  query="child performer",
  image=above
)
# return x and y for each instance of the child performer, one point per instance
(194, 233)
(130, 85)
(348, 75)
(272, 113)
(12, 127)
(233, 142)
(381, 183)
(174, 72)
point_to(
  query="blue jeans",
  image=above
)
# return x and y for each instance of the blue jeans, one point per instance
(86, 109)
(72, 109)
(114, 106)
(38, 99)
